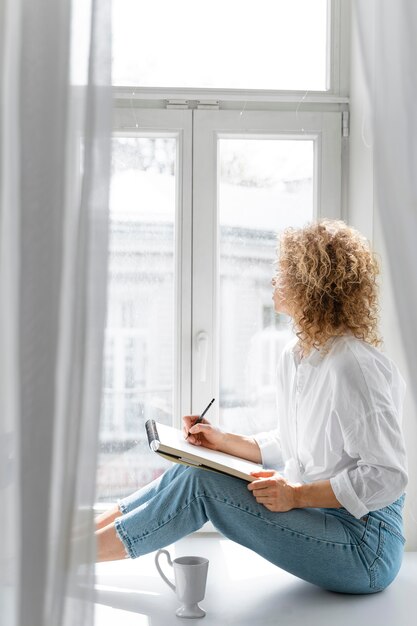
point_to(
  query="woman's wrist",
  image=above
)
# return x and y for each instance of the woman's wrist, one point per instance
(311, 495)
(222, 447)
(229, 443)
(241, 446)
(299, 496)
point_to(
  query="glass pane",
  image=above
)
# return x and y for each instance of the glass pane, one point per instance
(265, 186)
(237, 44)
(138, 377)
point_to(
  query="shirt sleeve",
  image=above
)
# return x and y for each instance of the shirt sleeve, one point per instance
(270, 447)
(368, 394)
(380, 475)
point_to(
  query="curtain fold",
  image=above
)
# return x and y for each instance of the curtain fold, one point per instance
(10, 548)
(388, 35)
(55, 168)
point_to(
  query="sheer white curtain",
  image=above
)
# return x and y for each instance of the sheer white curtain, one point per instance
(55, 123)
(388, 44)
(388, 38)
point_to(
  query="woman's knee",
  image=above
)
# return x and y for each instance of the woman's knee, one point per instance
(207, 482)
(198, 479)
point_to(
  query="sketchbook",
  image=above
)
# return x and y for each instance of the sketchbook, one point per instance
(169, 443)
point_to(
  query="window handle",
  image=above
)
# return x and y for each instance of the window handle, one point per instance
(202, 352)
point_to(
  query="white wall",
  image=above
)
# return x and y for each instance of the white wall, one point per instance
(362, 214)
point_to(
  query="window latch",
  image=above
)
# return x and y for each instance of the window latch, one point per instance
(177, 104)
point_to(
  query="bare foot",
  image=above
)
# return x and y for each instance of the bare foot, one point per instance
(109, 546)
(106, 518)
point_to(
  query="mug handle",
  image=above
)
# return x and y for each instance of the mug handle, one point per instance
(158, 567)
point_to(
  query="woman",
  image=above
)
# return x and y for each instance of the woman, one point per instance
(328, 506)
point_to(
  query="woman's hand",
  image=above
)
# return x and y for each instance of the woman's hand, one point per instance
(273, 491)
(202, 434)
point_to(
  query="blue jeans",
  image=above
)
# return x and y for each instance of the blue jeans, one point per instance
(327, 547)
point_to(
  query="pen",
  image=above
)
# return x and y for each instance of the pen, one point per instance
(198, 420)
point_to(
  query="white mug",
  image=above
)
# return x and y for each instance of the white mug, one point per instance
(190, 574)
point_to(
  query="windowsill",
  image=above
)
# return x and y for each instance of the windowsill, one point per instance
(242, 589)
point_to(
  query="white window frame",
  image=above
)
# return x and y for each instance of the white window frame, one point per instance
(129, 122)
(338, 48)
(196, 233)
(337, 88)
(209, 126)
(147, 110)
(139, 110)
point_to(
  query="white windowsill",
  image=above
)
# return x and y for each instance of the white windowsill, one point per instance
(243, 590)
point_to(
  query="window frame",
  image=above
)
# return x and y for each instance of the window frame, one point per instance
(209, 126)
(196, 165)
(129, 122)
(170, 112)
(197, 186)
(337, 89)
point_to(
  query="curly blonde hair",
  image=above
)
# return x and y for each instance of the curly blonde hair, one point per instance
(329, 272)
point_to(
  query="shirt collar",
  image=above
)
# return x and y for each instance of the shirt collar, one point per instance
(314, 357)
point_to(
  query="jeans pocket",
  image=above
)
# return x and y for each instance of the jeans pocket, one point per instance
(391, 530)
(384, 548)
(371, 546)
(374, 570)
(390, 558)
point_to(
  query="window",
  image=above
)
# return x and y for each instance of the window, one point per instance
(265, 185)
(189, 298)
(208, 168)
(253, 175)
(139, 356)
(238, 44)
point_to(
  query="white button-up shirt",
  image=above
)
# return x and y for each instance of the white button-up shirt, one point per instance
(339, 417)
